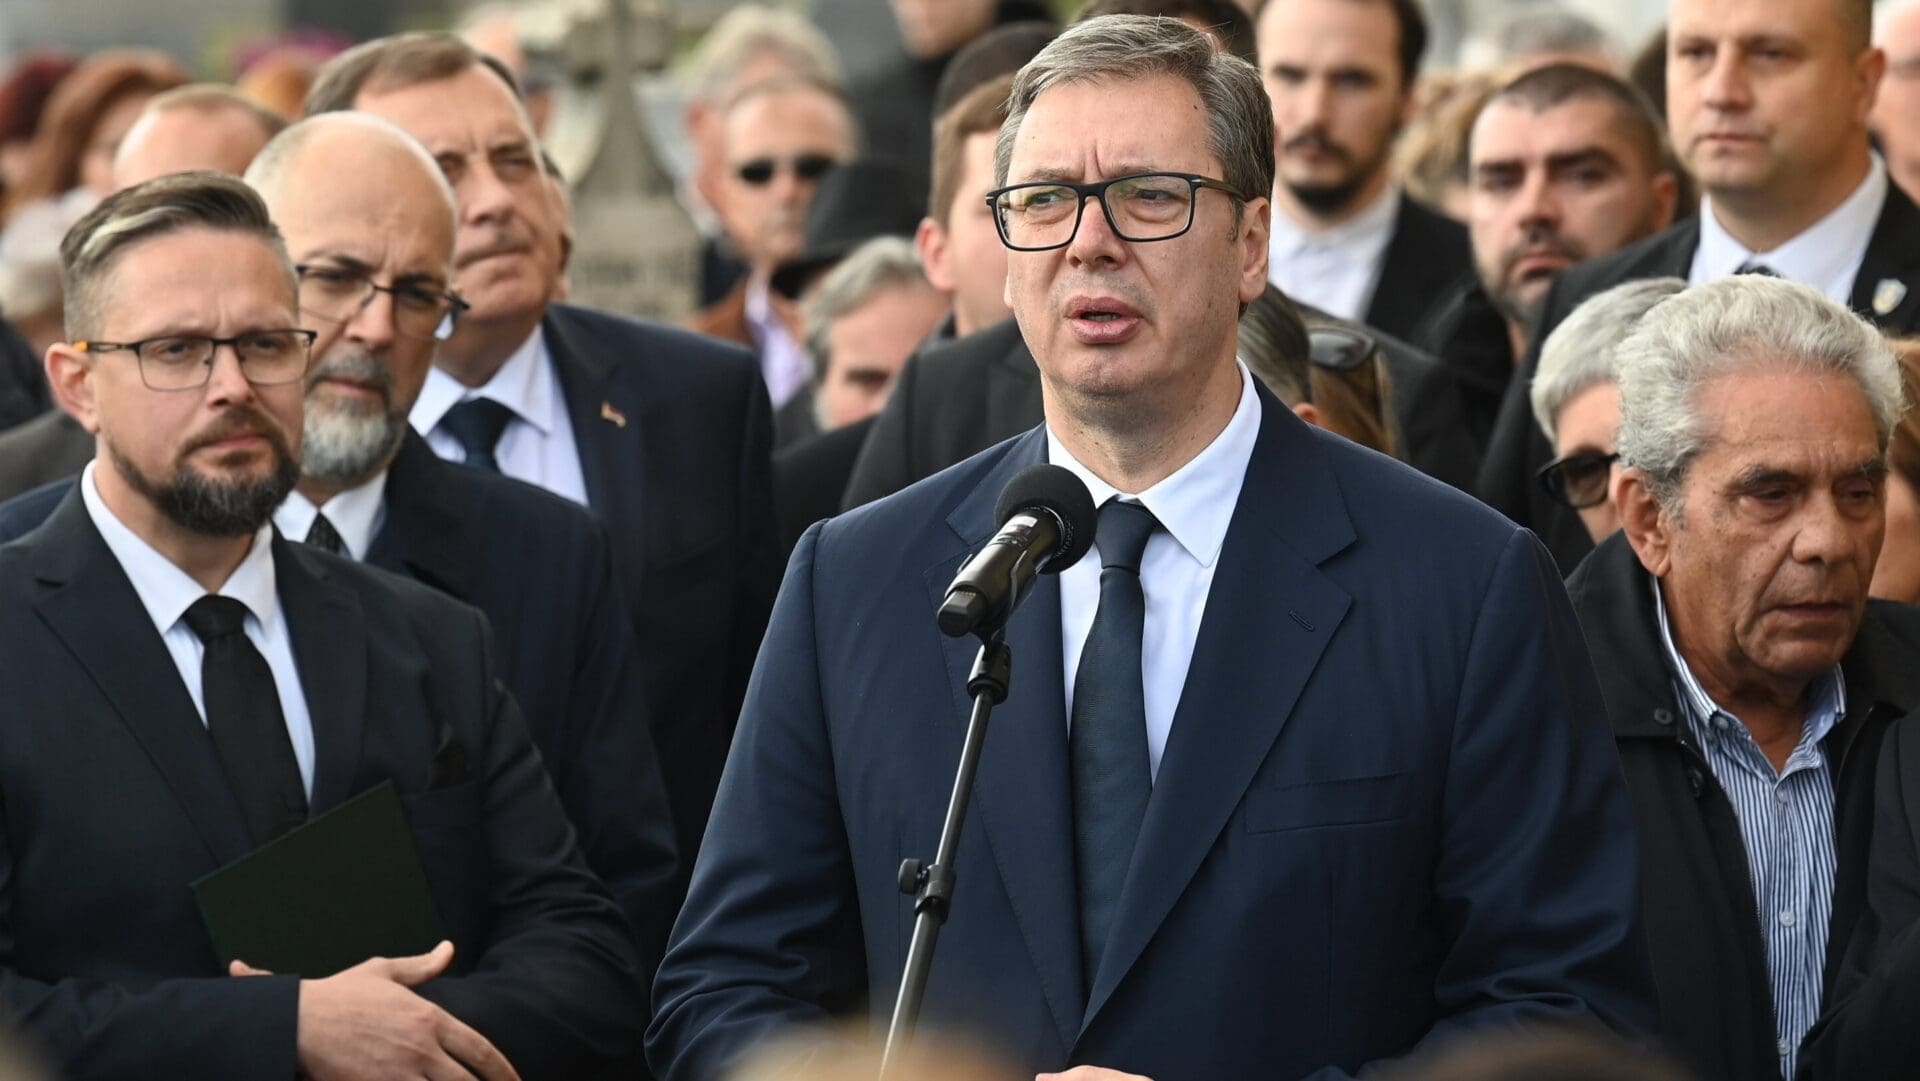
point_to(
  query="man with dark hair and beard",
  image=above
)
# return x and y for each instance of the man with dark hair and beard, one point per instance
(1346, 240)
(1564, 163)
(183, 686)
(369, 222)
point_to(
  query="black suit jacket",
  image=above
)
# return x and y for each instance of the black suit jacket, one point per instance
(1709, 953)
(115, 801)
(674, 434)
(50, 447)
(537, 566)
(956, 398)
(1428, 256)
(23, 386)
(1518, 448)
(810, 478)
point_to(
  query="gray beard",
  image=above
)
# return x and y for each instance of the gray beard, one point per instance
(344, 445)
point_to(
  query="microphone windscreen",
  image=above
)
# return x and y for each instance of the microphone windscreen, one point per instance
(1053, 489)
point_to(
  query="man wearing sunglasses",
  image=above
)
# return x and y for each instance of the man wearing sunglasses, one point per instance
(1303, 766)
(779, 137)
(184, 686)
(1576, 399)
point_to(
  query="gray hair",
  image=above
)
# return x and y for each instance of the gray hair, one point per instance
(884, 262)
(1582, 351)
(1547, 32)
(159, 207)
(1738, 324)
(1127, 47)
(751, 30)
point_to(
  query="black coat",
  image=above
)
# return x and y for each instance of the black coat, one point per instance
(810, 478)
(1427, 257)
(957, 398)
(1518, 448)
(23, 386)
(674, 432)
(116, 802)
(52, 446)
(1709, 956)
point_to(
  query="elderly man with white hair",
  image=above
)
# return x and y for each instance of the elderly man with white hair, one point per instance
(1746, 675)
(1576, 398)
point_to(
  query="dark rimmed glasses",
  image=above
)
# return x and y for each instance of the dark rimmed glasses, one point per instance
(185, 361)
(758, 172)
(337, 294)
(1140, 207)
(1578, 480)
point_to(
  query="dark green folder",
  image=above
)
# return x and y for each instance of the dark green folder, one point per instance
(324, 897)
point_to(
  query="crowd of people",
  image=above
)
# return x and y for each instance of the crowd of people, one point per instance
(400, 677)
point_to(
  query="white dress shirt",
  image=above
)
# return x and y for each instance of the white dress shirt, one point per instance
(1826, 255)
(783, 360)
(356, 514)
(537, 445)
(1194, 505)
(1336, 269)
(167, 592)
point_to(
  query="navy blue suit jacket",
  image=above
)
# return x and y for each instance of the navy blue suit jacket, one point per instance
(1389, 806)
(675, 435)
(115, 802)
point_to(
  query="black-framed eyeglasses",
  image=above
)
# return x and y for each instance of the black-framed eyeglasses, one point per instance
(185, 361)
(760, 171)
(1579, 480)
(1140, 207)
(337, 294)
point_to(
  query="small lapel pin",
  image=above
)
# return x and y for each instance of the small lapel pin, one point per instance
(618, 419)
(1888, 295)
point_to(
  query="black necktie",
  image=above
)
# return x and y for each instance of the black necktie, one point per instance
(321, 534)
(1755, 266)
(1108, 744)
(477, 424)
(243, 717)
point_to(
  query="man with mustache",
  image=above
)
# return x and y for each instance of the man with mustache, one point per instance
(1565, 163)
(1747, 676)
(184, 686)
(1767, 105)
(662, 433)
(369, 222)
(1346, 240)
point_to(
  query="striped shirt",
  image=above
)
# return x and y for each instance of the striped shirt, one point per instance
(1786, 826)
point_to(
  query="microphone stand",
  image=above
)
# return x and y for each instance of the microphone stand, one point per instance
(932, 886)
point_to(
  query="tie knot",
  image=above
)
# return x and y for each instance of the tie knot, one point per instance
(213, 616)
(1755, 266)
(477, 424)
(1122, 535)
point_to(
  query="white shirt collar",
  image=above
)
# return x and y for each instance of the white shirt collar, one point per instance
(1825, 255)
(522, 384)
(1195, 503)
(356, 514)
(164, 589)
(1363, 236)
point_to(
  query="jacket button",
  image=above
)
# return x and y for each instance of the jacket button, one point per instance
(1662, 716)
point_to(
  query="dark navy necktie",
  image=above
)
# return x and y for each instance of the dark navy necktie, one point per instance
(321, 534)
(243, 716)
(477, 424)
(1755, 266)
(1108, 742)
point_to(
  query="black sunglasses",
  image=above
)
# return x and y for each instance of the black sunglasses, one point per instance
(759, 171)
(1578, 480)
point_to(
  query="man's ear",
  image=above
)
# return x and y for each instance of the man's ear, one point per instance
(1255, 223)
(1648, 526)
(930, 242)
(70, 374)
(1308, 412)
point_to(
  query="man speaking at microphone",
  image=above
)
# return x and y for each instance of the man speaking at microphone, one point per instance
(1303, 766)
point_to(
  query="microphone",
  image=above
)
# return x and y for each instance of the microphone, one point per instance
(1047, 521)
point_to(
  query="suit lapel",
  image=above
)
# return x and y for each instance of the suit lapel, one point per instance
(1270, 613)
(90, 604)
(329, 634)
(1022, 786)
(1013, 394)
(605, 446)
(425, 521)
(1888, 278)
